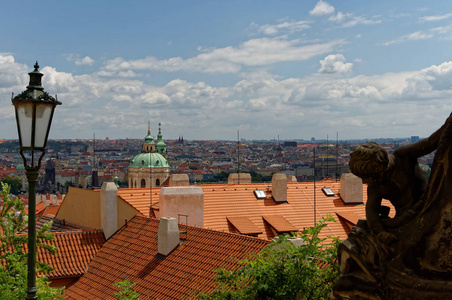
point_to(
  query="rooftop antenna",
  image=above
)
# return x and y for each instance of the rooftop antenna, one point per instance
(238, 156)
(327, 154)
(337, 154)
(315, 202)
(94, 150)
(150, 173)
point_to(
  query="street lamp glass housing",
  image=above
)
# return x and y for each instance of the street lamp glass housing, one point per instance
(33, 123)
(34, 113)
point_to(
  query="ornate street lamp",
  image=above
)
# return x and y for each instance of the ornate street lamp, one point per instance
(34, 112)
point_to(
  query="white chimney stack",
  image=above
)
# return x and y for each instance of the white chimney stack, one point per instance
(351, 189)
(279, 187)
(235, 178)
(109, 208)
(168, 236)
(179, 180)
(183, 200)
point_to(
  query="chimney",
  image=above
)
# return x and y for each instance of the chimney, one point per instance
(351, 189)
(179, 180)
(54, 199)
(235, 178)
(183, 200)
(168, 236)
(45, 200)
(279, 187)
(109, 208)
(291, 178)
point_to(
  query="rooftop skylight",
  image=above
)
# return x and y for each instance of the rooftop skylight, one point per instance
(260, 194)
(328, 191)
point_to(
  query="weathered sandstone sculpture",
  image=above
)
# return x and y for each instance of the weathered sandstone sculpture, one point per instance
(408, 256)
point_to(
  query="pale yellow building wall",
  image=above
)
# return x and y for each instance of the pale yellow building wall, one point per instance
(125, 211)
(82, 207)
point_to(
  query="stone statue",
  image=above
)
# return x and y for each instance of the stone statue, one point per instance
(408, 256)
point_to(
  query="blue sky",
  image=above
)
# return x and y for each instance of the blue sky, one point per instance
(205, 69)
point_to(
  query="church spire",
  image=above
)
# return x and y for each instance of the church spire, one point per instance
(160, 145)
(149, 144)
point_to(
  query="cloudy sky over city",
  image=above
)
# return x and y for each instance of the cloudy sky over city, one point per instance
(206, 69)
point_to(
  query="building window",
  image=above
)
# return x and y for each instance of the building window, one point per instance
(143, 183)
(157, 182)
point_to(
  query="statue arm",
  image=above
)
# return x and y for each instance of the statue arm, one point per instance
(373, 208)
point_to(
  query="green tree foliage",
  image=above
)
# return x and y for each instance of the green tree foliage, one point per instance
(14, 183)
(126, 292)
(13, 269)
(283, 271)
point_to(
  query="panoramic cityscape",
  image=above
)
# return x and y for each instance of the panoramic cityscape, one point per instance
(225, 150)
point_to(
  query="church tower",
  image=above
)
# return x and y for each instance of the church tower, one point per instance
(150, 168)
(160, 145)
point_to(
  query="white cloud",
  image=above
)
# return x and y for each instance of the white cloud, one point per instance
(281, 28)
(436, 17)
(418, 35)
(12, 73)
(340, 17)
(80, 61)
(84, 61)
(322, 8)
(256, 102)
(335, 63)
(360, 20)
(434, 79)
(349, 20)
(255, 52)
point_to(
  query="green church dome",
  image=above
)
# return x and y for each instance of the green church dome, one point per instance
(149, 160)
(20, 167)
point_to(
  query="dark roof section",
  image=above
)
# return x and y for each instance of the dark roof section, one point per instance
(132, 254)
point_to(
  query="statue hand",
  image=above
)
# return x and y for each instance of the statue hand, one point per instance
(386, 238)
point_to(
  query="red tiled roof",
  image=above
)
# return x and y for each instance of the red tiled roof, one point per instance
(350, 217)
(244, 225)
(280, 224)
(132, 254)
(75, 250)
(236, 200)
(52, 209)
(140, 198)
(224, 201)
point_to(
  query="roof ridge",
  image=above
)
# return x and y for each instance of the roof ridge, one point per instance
(204, 228)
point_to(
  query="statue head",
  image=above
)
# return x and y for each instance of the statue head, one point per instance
(369, 162)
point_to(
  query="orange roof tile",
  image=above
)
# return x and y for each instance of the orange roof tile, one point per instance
(224, 201)
(140, 198)
(75, 250)
(244, 225)
(232, 200)
(132, 254)
(280, 224)
(349, 216)
(52, 209)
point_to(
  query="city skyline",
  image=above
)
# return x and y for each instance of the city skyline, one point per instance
(205, 70)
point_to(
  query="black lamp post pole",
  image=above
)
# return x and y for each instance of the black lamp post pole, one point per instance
(32, 176)
(34, 112)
